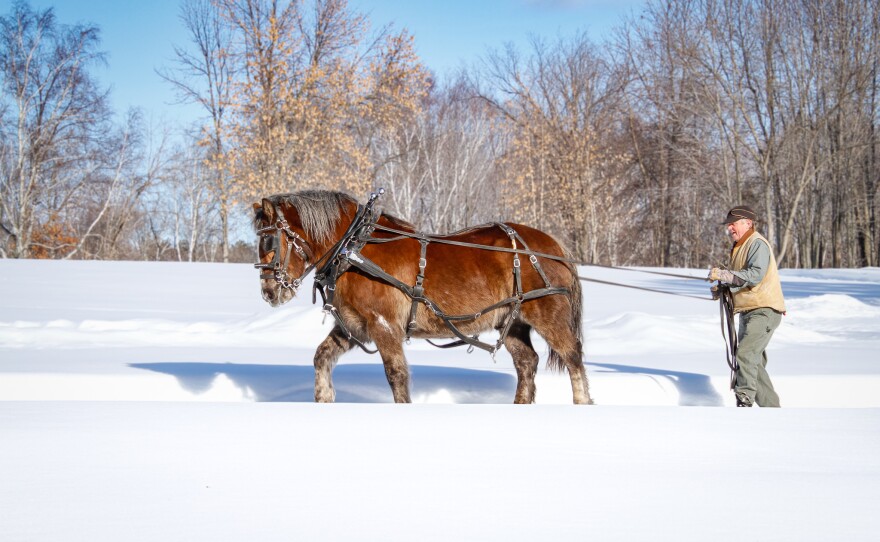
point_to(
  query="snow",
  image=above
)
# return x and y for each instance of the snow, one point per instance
(166, 401)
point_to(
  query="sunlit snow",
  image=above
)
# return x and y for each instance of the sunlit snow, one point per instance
(165, 401)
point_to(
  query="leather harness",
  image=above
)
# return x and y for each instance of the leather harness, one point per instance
(346, 255)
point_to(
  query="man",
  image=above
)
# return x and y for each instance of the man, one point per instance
(753, 279)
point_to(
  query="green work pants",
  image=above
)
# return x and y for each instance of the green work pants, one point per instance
(752, 381)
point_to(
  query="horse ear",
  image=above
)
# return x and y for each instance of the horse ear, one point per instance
(257, 208)
(268, 210)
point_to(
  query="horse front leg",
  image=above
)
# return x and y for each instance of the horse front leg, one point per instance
(328, 352)
(390, 347)
(397, 372)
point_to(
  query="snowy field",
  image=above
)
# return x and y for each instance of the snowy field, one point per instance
(166, 402)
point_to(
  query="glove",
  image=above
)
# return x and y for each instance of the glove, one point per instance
(716, 291)
(722, 275)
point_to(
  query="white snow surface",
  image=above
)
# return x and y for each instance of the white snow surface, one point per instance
(166, 401)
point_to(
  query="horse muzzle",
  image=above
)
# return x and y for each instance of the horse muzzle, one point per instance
(276, 294)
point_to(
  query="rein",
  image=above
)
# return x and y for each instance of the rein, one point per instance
(437, 239)
(642, 288)
(728, 331)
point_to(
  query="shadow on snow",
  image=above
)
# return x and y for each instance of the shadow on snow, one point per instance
(354, 383)
(366, 383)
(694, 389)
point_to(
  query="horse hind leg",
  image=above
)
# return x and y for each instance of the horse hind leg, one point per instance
(569, 354)
(525, 360)
(580, 386)
(566, 352)
(328, 352)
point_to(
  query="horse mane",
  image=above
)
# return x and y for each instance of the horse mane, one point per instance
(320, 211)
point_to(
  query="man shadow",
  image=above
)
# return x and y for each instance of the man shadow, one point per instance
(694, 389)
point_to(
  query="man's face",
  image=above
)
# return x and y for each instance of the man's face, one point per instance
(739, 228)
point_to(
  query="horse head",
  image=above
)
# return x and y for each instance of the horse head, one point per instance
(284, 255)
(295, 232)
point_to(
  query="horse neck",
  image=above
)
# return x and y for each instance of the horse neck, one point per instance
(348, 213)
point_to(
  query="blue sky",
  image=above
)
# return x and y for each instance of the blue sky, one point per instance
(139, 35)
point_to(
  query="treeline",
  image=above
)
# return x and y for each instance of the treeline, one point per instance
(629, 150)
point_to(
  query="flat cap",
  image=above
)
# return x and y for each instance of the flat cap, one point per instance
(738, 212)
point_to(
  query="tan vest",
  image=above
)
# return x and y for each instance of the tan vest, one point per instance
(768, 292)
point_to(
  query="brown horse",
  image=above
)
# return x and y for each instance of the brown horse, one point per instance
(485, 288)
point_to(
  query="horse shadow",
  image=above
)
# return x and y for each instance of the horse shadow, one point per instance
(694, 389)
(354, 383)
(366, 383)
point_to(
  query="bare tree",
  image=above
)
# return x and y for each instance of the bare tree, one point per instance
(768, 103)
(561, 103)
(316, 89)
(51, 129)
(440, 167)
(459, 156)
(670, 144)
(191, 206)
(138, 160)
(205, 74)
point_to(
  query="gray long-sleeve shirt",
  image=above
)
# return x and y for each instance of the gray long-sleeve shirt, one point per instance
(757, 262)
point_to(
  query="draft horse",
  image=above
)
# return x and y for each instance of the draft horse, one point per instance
(384, 282)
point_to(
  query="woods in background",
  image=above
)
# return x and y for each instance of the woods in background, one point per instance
(627, 150)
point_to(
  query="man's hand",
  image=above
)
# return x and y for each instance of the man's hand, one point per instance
(716, 291)
(722, 275)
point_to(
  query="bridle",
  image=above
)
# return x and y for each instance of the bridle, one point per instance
(276, 269)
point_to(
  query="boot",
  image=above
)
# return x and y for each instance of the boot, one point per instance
(743, 401)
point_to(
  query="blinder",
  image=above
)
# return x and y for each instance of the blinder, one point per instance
(276, 269)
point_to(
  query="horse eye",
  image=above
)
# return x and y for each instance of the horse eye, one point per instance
(266, 244)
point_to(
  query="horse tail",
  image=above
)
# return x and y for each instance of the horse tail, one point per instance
(555, 361)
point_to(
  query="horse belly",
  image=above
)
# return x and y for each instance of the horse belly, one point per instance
(430, 326)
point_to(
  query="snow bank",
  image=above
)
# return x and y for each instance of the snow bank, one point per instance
(167, 331)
